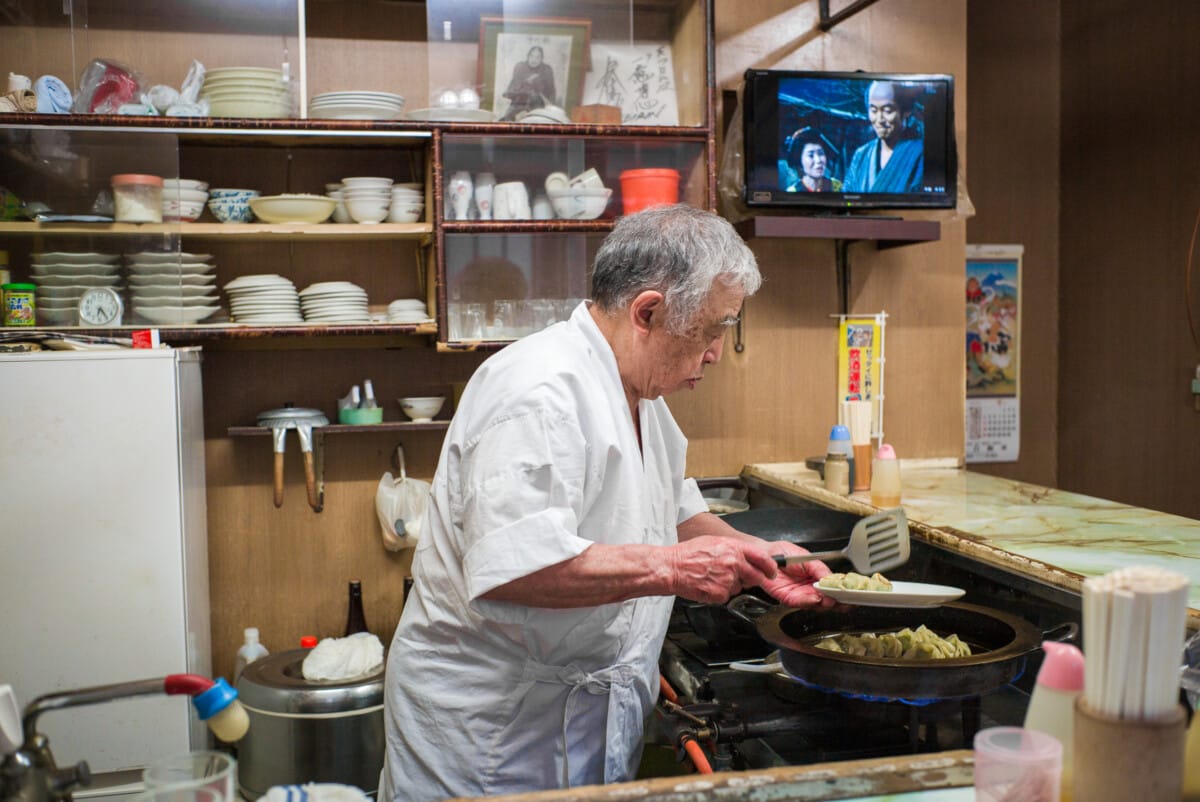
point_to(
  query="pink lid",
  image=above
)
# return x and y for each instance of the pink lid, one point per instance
(885, 452)
(1063, 667)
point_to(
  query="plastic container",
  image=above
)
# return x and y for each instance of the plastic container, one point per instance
(649, 186)
(1014, 763)
(249, 651)
(885, 478)
(137, 198)
(837, 474)
(839, 443)
(20, 305)
(1052, 704)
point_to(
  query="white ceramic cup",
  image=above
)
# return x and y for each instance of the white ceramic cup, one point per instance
(511, 201)
(588, 179)
(18, 83)
(556, 182)
(461, 190)
(485, 185)
(542, 210)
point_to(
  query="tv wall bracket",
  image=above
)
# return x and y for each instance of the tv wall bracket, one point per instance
(828, 20)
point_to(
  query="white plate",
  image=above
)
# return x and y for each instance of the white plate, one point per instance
(174, 290)
(184, 269)
(902, 594)
(142, 301)
(159, 258)
(176, 314)
(260, 319)
(87, 268)
(168, 281)
(453, 115)
(79, 281)
(259, 280)
(74, 258)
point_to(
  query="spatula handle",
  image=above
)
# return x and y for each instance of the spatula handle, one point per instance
(792, 559)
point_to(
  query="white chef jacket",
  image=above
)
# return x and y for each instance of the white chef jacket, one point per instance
(540, 462)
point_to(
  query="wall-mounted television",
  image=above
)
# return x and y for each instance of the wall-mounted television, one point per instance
(849, 140)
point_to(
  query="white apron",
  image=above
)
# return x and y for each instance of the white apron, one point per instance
(540, 462)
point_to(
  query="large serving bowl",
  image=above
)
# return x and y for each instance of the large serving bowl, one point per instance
(293, 208)
(579, 204)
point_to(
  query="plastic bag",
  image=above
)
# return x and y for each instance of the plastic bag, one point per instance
(105, 86)
(344, 658)
(400, 504)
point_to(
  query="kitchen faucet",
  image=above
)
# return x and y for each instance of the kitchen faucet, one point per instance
(29, 773)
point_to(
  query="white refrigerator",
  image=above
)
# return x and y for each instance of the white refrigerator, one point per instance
(103, 545)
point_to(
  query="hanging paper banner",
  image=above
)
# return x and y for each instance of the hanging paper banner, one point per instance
(860, 364)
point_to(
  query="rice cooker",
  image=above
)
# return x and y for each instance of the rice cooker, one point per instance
(304, 731)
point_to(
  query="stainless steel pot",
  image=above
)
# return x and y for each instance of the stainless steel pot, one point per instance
(305, 731)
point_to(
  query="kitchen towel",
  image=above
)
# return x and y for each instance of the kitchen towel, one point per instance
(314, 792)
(353, 656)
(21, 100)
(53, 96)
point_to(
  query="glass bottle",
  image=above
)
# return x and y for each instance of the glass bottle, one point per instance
(837, 474)
(356, 620)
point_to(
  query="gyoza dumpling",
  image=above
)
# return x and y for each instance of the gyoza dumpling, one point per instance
(907, 638)
(854, 581)
(891, 645)
(878, 582)
(830, 645)
(872, 644)
(833, 581)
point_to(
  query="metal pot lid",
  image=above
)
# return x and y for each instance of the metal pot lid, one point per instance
(284, 414)
(276, 683)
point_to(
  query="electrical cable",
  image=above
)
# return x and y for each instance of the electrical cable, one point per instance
(1187, 284)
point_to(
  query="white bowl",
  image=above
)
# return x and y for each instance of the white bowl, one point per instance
(181, 194)
(293, 208)
(221, 193)
(175, 314)
(67, 316)
(367, 182)
(421, 409)
(366, 210)
(407, 305)
(231, 210)
(405, 212)
(191, 184)
(579, 204)
(348, 193)
(186, 211)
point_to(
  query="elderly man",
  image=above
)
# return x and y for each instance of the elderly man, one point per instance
(561, 527)
(893, 161)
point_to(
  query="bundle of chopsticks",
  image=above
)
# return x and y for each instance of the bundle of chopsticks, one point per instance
(1134, 624)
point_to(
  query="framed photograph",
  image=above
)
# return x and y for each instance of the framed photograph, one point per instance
(533, 62)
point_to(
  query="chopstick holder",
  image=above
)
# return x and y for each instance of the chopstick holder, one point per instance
(856, 415)
(1129, 724)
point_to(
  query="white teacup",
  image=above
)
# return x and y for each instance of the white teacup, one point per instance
(461, 192)
(510, 201)
(485, 186)
(556, 182)
(588, 179)
(542, 210)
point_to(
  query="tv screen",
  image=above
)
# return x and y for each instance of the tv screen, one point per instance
(849, 140)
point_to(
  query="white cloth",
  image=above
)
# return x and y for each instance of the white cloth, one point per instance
(345, 658)
(314, 792)
(540, 461)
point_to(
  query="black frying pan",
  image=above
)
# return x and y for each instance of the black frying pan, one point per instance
(1000, 643)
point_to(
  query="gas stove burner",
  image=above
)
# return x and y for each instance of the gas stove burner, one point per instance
(869, 698)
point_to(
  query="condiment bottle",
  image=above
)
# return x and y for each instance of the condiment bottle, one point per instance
(837, 474)
(885, 478)
(249, 651)
(356, 621)
(839, 443)
(1052, 704)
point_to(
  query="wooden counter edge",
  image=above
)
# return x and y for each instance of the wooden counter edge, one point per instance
(822, 781)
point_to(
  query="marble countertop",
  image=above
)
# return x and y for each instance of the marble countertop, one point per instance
(1051, 535)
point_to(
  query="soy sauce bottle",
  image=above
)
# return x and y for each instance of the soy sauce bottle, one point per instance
(356, 620)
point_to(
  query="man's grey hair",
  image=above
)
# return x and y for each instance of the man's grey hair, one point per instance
(680, 251)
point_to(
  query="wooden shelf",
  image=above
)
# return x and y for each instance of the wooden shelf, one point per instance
(343, 428)
(888, 232)
(527, 226)
(267, 232)
(202, 332)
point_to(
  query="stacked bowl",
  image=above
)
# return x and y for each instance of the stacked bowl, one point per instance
(247, 92)
(263, 299)
(408, 311)
(63, 278)
(172, 287)
(183, 199)
(334, 302)
(367, 198)
(407, 203)
(356, 105)
(232, 205)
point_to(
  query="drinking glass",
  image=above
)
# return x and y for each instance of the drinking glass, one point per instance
(504, 319)
(472, 323)
(178, 793)
(206, 769)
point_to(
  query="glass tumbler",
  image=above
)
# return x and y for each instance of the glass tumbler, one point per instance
(472, 322)
(207, 769)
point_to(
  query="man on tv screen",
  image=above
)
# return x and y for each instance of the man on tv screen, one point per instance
(895, 160)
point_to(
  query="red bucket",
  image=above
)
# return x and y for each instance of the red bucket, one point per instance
(650, 186)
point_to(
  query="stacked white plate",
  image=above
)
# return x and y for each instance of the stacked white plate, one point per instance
(247, 92)
(173, 287)
(262, 299)
(356, 106)
(334, 302)
(63, 277)
(411, 311)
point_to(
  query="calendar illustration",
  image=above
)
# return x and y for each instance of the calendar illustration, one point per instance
(993, 351)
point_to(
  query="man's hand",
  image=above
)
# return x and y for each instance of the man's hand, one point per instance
(795, 585)
(714, 569)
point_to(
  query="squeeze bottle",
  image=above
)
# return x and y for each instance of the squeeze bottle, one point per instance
(1052, 705)
(885, 478)
(249, 651)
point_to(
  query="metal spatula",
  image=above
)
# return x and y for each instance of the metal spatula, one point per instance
(878, 542)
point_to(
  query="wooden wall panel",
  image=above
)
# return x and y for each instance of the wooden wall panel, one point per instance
(1127, 426)
(1014, 137)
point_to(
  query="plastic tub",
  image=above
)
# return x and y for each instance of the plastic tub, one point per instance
(649, 186)
(20, 305)
(137, 198)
